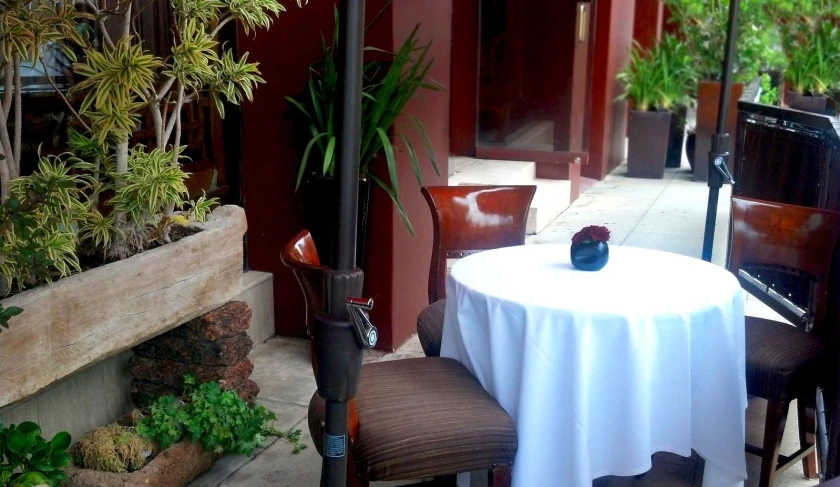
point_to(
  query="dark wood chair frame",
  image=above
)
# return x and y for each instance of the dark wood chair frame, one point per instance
(804, 240)
(301, 256)
(456, 235)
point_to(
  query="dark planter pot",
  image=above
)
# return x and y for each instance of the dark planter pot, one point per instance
(320, 196)
(813, 104)
(590, 256)
(648, 145)
(676, 137)
(690, 145)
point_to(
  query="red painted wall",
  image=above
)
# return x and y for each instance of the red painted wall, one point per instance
(647, 27)
(608, 120)
(399, 281)
(398, 263)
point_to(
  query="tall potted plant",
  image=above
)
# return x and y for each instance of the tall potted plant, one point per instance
(702, 27)
(656, 83)
(389, 83)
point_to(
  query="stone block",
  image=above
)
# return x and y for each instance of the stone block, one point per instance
(223, 322)
(171, 373)
(144, 393)
(226, 351)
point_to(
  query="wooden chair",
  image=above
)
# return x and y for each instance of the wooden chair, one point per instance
(467, 220)
(411, 419)
(786, 362)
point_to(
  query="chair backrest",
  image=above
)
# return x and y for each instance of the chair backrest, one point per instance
(469, 219)
(301, 256)
(794, 239)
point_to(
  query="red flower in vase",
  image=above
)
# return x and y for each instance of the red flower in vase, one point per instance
(592, 233)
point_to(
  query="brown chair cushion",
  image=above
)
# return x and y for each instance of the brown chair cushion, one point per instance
(782, 361)
(430, 328)
(421, 418)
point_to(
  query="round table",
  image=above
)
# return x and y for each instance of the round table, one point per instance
(599, 370)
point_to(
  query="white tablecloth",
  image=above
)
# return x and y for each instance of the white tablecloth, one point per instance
(600, 370)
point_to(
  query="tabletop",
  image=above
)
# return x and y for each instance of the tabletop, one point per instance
(599, 370)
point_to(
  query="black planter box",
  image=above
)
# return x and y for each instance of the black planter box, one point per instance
(813, 104)
(648, 145)
(676, 139)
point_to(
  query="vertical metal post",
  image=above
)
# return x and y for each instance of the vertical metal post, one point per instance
(719, 155)
(351, 44)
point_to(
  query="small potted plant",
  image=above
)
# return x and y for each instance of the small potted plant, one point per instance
(589, 250)
(656, 83)
(813, 68)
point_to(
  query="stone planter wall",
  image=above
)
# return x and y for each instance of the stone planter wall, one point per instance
(176, 466)
(214, 346)
(89, 317)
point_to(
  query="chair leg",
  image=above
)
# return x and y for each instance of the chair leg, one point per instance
(807, 415)
(774, 428)
(500, 477)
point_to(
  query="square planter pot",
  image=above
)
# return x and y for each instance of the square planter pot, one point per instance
(708, 103)
(648, 145)
(88, 317)
(812, 104)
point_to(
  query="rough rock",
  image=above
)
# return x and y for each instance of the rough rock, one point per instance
(144, 393)
(226, 321)
(171, 373)
(226, 351)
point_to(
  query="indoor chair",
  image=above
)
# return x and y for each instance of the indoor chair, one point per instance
(467, 220)
(786, 362)
(414, 418)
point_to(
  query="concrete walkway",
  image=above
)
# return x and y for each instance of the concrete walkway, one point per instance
(666, 214)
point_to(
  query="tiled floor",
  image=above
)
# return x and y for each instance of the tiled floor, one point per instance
(664, 214)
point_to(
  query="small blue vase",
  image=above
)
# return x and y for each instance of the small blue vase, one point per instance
(590, 256)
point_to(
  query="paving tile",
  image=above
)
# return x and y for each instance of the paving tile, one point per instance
(283, 370)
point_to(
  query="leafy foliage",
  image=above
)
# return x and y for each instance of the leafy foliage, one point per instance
(814, 66)
(387, 88)
(27, 459)
(153, 182)
(769, 93)
(660, 78)
(39, 223)
(7, 314)
(221, 420)
(702, 26)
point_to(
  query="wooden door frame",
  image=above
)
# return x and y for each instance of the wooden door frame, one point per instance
(465, 59)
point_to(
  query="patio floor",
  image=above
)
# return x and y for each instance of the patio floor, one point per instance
(666, 214)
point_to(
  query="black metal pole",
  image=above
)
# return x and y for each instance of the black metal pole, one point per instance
(719, 155)
(351, 43)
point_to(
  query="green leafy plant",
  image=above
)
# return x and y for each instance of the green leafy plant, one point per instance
(39, 223)
(387, 88)
(7, 314)
(660, 78)
(27, 459)
(702, 26)
(769, 93)
(814, 66)
(217, 418)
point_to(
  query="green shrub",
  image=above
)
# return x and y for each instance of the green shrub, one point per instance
(27, 459)
(219, 419)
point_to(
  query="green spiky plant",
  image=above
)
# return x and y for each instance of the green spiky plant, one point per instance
(121, 81)
(387, 88)
(660, 78)
(45, 217)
